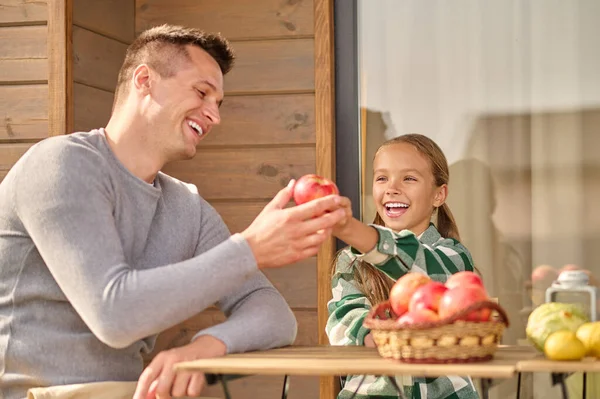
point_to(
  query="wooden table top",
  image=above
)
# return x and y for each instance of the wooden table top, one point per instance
(344, 360)
(541, 364)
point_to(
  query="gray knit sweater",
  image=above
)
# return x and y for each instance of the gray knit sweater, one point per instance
(95, 262)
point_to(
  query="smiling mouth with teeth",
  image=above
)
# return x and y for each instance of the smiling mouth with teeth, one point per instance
(196, 127)
(395, 208)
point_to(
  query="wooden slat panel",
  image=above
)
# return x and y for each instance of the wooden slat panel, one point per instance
(272, 65)
(182, 333)
(234, 18)
(20, 11)
(297, 283)
(22, 71)
(23, 42)
(112, 18)
(23, 112)
(253, 387)
(23, 54)
(10, 154)
(265, 119)
(92, 107)
(97, 59)
(244, 173)
(238, 215)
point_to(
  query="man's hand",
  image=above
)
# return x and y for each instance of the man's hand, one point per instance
(280, 236)
(159, 380)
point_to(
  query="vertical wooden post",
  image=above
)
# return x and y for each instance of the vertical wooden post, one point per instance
(60, 61)
(325, 156)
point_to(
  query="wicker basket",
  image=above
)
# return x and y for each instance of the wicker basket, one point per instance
(446, 341)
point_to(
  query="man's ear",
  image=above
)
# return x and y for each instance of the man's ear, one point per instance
(440, 195)
(141, 78)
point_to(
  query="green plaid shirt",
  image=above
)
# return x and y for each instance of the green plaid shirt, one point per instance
(395, 254)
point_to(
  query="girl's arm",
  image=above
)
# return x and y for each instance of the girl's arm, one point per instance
(397, 253)
(358, 235)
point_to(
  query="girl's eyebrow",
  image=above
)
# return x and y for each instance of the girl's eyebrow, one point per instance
(408, 170)
(415, 171)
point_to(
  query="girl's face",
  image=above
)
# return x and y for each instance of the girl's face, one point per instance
(404, 188)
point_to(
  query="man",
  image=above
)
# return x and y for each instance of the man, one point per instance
(100, 251)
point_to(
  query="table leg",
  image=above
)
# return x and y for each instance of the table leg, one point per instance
(225, 388)
(518, 385)
(286, 387)
(584, 395)
(486, 383)
(559, 378)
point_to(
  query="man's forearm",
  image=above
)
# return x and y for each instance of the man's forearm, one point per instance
(262, 320)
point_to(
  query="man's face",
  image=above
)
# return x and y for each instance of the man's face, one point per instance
(185, 107)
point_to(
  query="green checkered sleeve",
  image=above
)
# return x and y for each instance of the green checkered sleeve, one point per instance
(397, 253)
(348, 307)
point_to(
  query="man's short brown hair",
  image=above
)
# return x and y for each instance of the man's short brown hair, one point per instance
(163, 48)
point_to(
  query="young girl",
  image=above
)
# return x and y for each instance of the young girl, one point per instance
(410, 185)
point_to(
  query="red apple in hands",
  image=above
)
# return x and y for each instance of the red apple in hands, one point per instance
(462, 279)
(311, 187)
(421, 315)
(403, 289)
(461, 297)
(427, 296)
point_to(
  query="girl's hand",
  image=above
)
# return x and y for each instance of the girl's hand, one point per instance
(346, 205)
(369, 343)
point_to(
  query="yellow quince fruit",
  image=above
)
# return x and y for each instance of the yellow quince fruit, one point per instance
(589, 335)
(564, 345)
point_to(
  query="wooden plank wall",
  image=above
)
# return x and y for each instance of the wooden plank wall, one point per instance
(102, 30)
(23, 78)
(267, 136)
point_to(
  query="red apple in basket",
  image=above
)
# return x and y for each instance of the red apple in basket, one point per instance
(569, 267)
(462, 279)
(418, 316)
(403, 289)
(459, 298)
(311, 187)
(543, 276)
(427, 296)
